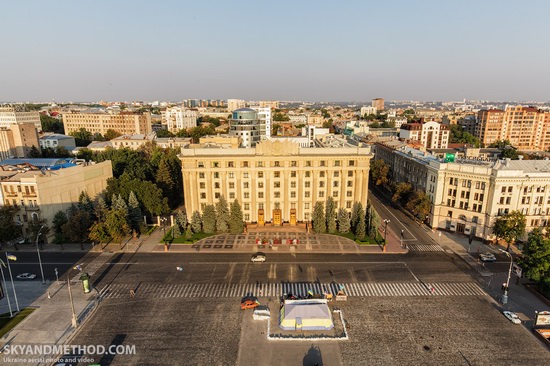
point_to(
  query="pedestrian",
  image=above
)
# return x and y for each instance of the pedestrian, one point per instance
(261, 292)
(433, 290)
(132, 292)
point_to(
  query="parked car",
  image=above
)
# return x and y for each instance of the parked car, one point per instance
(249, 303)
(26, 276)
(258, 257)
(487, 257)
(513, 317)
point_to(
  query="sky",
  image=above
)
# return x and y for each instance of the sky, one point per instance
(275, 50)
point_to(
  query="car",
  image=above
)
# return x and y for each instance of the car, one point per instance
(258, 257)
(249, 303)
(487, 257)
(513, 317)
(26, 276)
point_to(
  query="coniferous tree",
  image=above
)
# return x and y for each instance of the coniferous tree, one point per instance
(85, 203)
(101, 209)
(181, 220)
(319, 222)
(176, 232)
(134, 212)
(165, 181)
(222, 215)
(355, 214)
(116, 224)
(236, 224)
(360, 229)
(209, 219)
(330, 214)
(196, 222)
(343, 221)
(188, 232)
(58, 221)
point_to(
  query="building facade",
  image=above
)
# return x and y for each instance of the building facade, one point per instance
(245, 123)
(367, 111)
(124, 123)
(277, 181)
(378, 104)
(17, 140)
(12, 115)
(432, 135)
(179, 118)
(233, 104)
(54, 140)
(42, 187)
(527, 128)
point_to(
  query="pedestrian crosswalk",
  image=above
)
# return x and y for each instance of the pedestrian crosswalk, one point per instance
(157, 290)
(424, 248)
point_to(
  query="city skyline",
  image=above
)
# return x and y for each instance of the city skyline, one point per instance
(309, 51)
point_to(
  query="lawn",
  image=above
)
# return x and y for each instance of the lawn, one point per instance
(7, 323)
(367, 241)
(183, 240)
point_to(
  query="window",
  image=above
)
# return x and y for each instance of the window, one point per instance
(292, 194)
(293, 174)
(322, 174)
(216, 175)
(450, 213)
(336, 174)
(200, 164)
(308, 163)
(260, 194)
(306, 194)
(322, 163)
(350, 173)
(321, 184)
(277, 184)
(348, 204)
(292, 184)
(337, 163)
(351, 163)
(230, 164)
(277, 164)
(231, 185)
(321, 194)
(246, 206)
(217, 195)
(260, 184)
(293, 163)
(232, 195)
(260, 164)
(201, 175)
(215, 164)
(245, 175)
(510, 189)
(202, 185)
(334, 193)
(246, 195)
(350, 183)
(306, 206)
(308, 184)
(245, 164)
(203, 196)
(277, 194)
(335, 184)
(349, 194)
(277, 174)
(260, 206)
(231, 175)
(308, 174)
(245, 185)
(217, 185)
(246, 217)
(260, 174)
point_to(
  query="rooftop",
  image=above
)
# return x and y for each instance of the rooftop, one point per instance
(36, 163)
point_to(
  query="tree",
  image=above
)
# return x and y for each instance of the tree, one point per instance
(85, 203)
(59, 219)
(209, 219)
(101, 209)
(77, 227)
(150, 196)
(82, 137)
(343, 221)
(280, 117)
(134, 212)
(372, 221)
(34, 152)
(275, 127)
(188, 232)
(181, 220)
(536, 257)
(361, 229)
(379, 172)
(330, 214)
(165, 181)
(51, 124)
(116, 225)
(236, 223)
(111, 134)
(419, 204)
(457, 135)
(402, 192)
(85, 154)
(318, 217)
(509, 227)
(176, 231)
(222, 215)
(355, 211)
(99, 232)
(9, 229)
(164, 133)
(196, 222)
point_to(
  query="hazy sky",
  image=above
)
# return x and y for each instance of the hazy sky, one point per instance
(281, 50)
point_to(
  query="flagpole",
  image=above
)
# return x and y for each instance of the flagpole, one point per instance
(12, 284)
(5, 287)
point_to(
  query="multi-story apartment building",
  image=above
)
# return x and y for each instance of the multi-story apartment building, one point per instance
(378, 104)
(367, 111)
(527, 128)
(432, 135)
(315, 119)
(245, 123)
(233, 104)
(17, 140)
(179, 118)
(277, 181)
(124, 122)
(469, 194)
(12, 115)
(42, 187)
(264, 115)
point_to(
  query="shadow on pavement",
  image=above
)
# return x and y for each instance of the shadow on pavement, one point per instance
(313, 357)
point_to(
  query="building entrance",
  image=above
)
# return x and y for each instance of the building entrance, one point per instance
(293, 217)
(460, 228)
(261, 217)
(277, 217)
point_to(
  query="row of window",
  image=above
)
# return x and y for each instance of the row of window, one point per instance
(261, 164)
(277, 206)
(276, 174)
(467, 183)
(276, 194)
(11, 189)
(246, 185)
(465, 205)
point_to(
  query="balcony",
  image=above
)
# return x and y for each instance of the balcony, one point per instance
(32, 208)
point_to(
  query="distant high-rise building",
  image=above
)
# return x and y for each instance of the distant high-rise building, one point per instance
(123, 123)
(264, 115)
(12, 115)
(378, 103)
(233, 104)
(17, 139)
(178, 118)
(525, 127)
(432, 135)
(245, 123)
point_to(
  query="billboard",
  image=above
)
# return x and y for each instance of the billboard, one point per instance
(542, 318)
(449, 158)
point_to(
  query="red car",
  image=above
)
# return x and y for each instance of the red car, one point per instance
(249, 304)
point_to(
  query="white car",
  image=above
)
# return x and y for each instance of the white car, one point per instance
(513, 317)
(258, 257)
(487, 257)
(26, 276)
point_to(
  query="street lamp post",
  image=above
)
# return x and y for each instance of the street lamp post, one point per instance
(5, 287)
(74, 321)
(386, 221)
(163, 220)
(505, 296)
(38, 252)
(8, 256)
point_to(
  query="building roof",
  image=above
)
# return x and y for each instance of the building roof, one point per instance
(245, 110)
(56, 136)
(527, 166)
(40, 163)
(307, 309)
